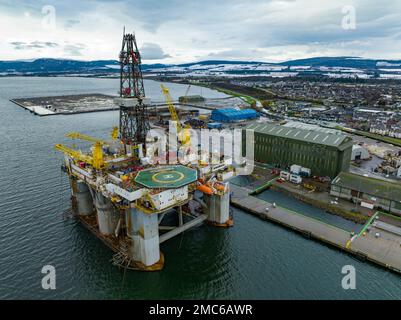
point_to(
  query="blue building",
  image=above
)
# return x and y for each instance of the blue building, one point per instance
(231, 115)
(214, 125)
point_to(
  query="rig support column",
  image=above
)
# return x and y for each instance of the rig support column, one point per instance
(83, 198)
(143, 229)
(107, 218)
(218, 209)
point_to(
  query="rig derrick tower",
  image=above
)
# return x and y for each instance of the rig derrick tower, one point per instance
(134, 119)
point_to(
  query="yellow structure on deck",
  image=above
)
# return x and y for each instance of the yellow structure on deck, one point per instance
(96, 160)
(114, 133)
(183, 135)
(80, 136)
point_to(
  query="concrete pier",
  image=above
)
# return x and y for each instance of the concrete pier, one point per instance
(384, 251)
(107, 218)
(143, 230)
(218, 209)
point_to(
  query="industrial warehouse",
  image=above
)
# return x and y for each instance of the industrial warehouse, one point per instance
(231, 115)
(369, 192)
(326, 153)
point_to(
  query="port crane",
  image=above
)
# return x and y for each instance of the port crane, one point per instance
(183, 135)
(96, 160)
(81, 136)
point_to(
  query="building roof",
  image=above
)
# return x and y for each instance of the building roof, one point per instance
(340, 141)
(232, 114)
(375, 187)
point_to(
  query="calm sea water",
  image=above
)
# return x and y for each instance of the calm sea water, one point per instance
(255, 259)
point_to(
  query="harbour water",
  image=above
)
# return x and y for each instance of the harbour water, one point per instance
(252, 260)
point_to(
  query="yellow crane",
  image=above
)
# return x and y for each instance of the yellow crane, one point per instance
(171, 108)
(114, 133)
(96, 160)
(183, 135)
(80, 136)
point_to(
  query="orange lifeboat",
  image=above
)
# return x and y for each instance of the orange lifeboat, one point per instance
(205, 189)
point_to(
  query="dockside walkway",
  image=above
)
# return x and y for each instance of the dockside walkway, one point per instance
(384, 251)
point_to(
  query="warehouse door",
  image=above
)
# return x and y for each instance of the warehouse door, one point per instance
(354, 193)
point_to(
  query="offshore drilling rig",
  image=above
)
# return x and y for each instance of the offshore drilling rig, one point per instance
(126, 201)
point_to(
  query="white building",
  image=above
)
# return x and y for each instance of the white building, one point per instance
(359, 153)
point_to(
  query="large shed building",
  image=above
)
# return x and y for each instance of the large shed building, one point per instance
(367, 191)
(326, 154)
(231, 114)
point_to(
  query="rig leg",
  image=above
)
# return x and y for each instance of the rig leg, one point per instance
(107, 218)
(143, 229)
(83, 198)
(218, 209)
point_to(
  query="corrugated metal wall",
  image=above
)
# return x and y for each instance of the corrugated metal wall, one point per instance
(322, 160)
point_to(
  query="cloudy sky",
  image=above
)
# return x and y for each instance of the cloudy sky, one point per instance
(178, 31)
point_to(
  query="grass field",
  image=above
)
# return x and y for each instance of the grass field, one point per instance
(378, 137)
(247, 99)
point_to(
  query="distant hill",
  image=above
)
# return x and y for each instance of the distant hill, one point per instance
(342, 62)
(319, 64)
(54, 66)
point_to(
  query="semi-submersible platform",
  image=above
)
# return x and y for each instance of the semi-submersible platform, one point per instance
(123, 199)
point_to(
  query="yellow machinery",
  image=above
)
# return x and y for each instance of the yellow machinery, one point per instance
(183, 135)
(114, 133)
(77, 135)
(96, 160)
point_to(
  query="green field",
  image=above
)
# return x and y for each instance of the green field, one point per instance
(378, 137)
(247, 99)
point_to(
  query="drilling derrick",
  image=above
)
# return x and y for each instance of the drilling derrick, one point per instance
(134, 121)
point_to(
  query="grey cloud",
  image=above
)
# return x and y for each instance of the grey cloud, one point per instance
(225, 26)
(71, 23)
(240, 54)
(18, 45)
(74, 50)
(152, 51)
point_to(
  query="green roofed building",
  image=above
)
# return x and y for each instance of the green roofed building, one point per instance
(326, 154)
(369, 192)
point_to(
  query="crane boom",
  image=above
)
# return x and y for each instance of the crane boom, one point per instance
(77, 135)
(96, 160)
(183, 135)
(73, 153)
(171, 108)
